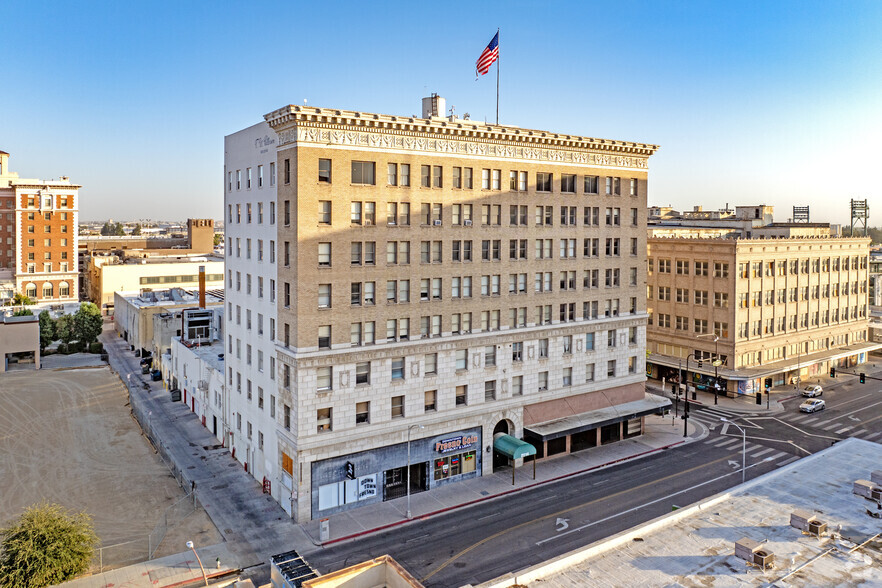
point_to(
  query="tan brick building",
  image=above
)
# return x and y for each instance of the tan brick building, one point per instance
(38, 235)
(787, 301)
(445, 281)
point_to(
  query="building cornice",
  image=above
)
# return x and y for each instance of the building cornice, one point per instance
(323, 126)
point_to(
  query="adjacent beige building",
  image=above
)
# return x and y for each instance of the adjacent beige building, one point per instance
(769, 300)
(108, 274)
(442, 283)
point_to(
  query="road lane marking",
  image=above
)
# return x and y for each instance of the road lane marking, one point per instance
(763, 452)
(558, 514)
(828, 427)
(636, 508)
(855, 410)
(873, 435)
(728, 441)
(859, 432)
(843, 429)
(491, 515)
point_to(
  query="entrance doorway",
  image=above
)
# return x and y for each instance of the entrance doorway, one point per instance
(500, 461)
(395, 481)
(214, 425)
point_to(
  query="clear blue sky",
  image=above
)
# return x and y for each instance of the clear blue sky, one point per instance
(752, 102)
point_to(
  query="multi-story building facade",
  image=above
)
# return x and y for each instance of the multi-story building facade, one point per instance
(439, 282)
(787, 302)
(251, 278)
(38, 235)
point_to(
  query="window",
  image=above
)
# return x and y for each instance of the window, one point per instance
(362, 412)
(543, 381)
(430, 366)
(568, 183)
(489, 356)
(398, 368)
(633, 189)
(591, 184)
(363, 172)
(462, 359)
(543, 182)
(430, 398)
(517, 386)
(392, 174)
(497, 179)
(543, 348)
(323, 419)
(614, 186)
(489, 390)
(324, 377)
(611, 368)
(467, 178)
(437, 174)
(405, 174)
(425, 178)
(324, 255)
(462, 395)
(567, 377)
(324, 336)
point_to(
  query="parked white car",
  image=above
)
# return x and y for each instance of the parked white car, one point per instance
(813, 405)
(812, 390)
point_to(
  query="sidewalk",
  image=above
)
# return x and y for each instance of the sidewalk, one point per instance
(165, 572)
(660, 433)
(744, 403)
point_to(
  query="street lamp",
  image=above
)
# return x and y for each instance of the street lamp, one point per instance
(743, 446)
(409, 429)
(204, 577)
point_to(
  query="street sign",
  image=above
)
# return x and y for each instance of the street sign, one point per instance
(717, 362)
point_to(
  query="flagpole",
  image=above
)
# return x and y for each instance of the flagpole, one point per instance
(497, 76)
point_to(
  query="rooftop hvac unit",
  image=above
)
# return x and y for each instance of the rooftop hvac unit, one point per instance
(817, 528)
(876, 494)
(764, 559)
(863, 488)
(876, 477)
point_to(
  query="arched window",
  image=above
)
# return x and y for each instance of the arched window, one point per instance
(63, 290)
(47, 290)
(31, 290)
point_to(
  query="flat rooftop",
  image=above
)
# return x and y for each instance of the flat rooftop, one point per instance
(167, 298)
(695, 546)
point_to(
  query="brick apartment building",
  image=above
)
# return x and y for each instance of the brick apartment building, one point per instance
(38, 237)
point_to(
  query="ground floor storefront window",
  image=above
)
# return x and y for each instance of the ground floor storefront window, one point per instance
(454, 465)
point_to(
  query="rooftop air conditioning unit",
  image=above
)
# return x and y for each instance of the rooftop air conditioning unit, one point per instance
(876, 477)
(764, 559)
(817, 528)
(467, 223)
(437, 223)
(876, 494)
(863, 488)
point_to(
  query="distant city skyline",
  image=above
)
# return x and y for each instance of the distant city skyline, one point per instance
(751, 102)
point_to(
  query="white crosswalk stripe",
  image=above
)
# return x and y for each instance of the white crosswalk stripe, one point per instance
(787, 461)
(729, 441)
(843, 429)
(828, 427)
(777, 455)
(763, 452)
(858, 432)
(802, 417)
(873, 435)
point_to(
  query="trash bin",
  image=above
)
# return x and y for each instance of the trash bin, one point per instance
(759, 397)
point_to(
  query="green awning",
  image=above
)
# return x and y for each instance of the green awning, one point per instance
(512, 447)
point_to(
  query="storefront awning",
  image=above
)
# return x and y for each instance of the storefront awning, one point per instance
(512, 447)
(569, 425)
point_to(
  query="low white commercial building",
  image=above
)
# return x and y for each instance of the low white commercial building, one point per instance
(197, 368)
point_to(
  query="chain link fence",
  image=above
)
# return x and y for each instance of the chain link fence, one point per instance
(144, 547)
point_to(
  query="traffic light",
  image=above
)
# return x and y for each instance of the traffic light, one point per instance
(674, 389)
(863, 378)
(700, 363)
(768, 383)
(832, 372)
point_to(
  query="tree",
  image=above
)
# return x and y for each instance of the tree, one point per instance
(47, 330)
(112, 229)
(20, 299)
(137, 230)
(46, 545)
(64, 328)
(88, 323)
(218, 239)
(23, 312)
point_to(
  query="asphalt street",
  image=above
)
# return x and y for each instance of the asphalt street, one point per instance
(481, 542)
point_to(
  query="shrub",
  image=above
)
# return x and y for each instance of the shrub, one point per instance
(96, 347)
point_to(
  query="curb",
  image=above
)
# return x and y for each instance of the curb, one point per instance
(486, 498)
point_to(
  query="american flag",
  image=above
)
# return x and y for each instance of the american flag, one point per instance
(488, 56)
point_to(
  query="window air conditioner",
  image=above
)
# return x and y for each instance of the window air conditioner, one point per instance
(467, 223)
(437, 223)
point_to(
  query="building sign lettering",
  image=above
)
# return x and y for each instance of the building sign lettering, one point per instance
(456, 443)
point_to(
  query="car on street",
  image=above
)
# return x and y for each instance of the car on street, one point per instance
(813, 405)
(812, 390)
